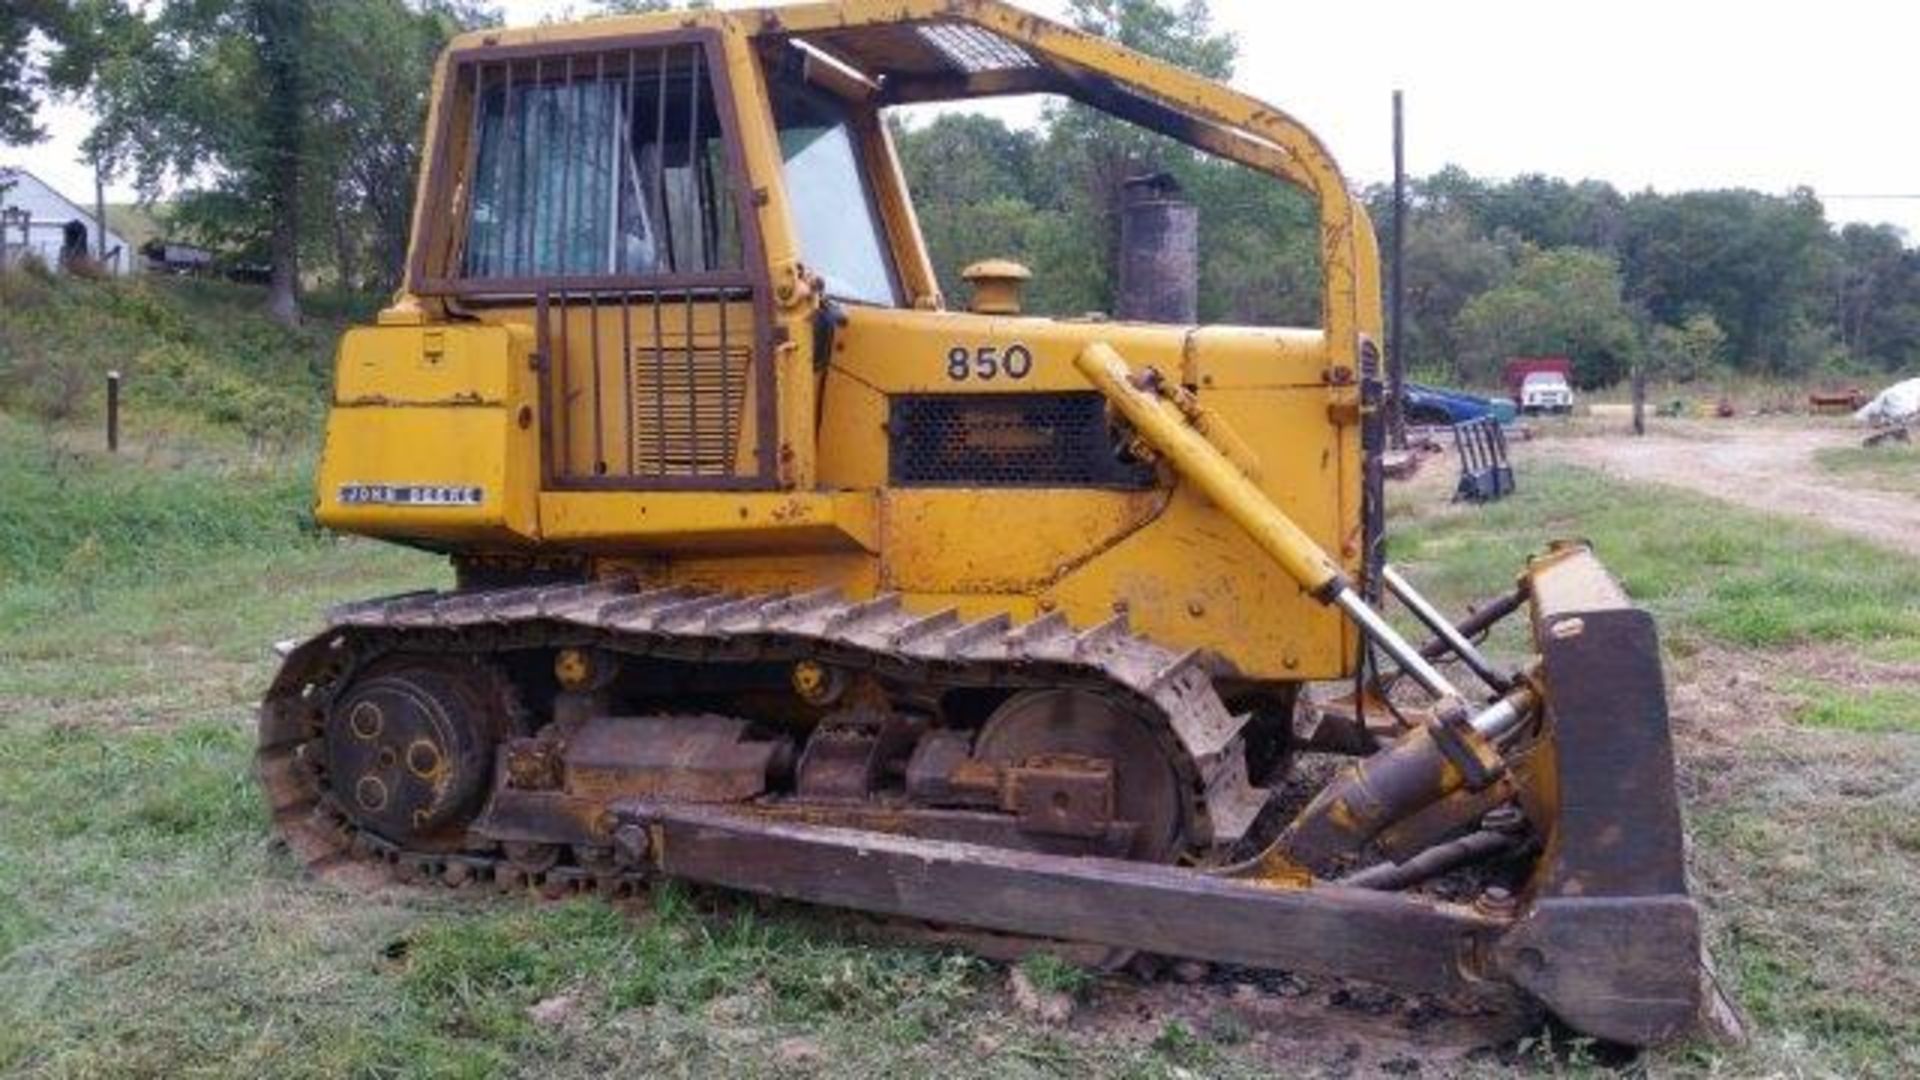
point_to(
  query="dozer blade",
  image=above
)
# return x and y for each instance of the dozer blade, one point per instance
(1604, 934)
(1610, 941)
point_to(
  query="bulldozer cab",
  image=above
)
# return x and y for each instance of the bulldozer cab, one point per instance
(598, 194)
(683, 207)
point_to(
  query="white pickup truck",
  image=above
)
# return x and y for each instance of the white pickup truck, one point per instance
(1546, 392)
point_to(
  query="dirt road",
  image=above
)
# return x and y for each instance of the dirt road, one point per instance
(1764, 465)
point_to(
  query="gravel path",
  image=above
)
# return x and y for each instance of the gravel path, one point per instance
(1766, 466)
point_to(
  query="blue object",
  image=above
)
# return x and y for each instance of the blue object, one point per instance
(1431, 405)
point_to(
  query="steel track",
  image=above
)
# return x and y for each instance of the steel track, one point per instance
(1172, 692)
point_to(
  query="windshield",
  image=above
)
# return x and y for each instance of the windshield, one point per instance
(601, 165)
(840, 236)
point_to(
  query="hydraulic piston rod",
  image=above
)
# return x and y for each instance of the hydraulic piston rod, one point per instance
(1403, 652)
(1444, 629)
(1164, 428)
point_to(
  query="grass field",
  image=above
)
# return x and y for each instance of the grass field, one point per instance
(1795, 664)
(147, 927)
(1893, 467)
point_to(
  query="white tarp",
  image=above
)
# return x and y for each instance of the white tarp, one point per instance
(1896, 404)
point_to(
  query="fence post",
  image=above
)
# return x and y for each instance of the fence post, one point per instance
(1639, 400)
(113, 412)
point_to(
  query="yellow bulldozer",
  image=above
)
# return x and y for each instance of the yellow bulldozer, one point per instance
(776, 572)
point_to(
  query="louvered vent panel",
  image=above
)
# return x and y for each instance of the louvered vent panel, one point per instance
(687, 405)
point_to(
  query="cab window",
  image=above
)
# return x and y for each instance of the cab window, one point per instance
(841, 237)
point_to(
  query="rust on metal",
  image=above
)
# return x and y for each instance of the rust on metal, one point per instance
(1063, 794)
(1166, 697)
(1395, 940)
(1047, 821)
(696, 758)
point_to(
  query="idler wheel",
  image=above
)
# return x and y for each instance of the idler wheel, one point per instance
(409, 750)
(1146, 789)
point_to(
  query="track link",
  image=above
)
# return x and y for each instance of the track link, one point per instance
(1174, 692)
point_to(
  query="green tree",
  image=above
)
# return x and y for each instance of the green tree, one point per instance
(1091, 154)
(1693, 350)
(222, 90)
(969, 158)
(1448, 263)
(1052, 200)
(286, 120)
(1450, 190)
(1755, 262)
(1877, 296)
(371, 97)
(1259, 245)
(1562, 302)
(281, 31)
(23, 81)
(1548, 212)
(1182, 35)
(970, 176)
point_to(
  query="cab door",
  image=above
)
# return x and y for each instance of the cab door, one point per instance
(600, 197)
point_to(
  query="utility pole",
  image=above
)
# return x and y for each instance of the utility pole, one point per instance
(1397, 298)
(100, 214)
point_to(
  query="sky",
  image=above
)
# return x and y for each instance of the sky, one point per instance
(1667, 94)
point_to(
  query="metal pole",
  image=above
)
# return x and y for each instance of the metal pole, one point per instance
(1403, 653)
(1163, 426)
(1504, 717)
(1396, 324)
(113, 412)
(1445, 630)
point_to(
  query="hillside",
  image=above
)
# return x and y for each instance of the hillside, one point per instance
(220, 417)
(204, 369)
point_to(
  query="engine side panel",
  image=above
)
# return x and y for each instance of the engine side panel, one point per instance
(432, 437)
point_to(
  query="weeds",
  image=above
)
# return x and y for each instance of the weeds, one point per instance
(1873, 710)
(1894, 467)
(1178, 1043)
(195, 351)
(96, 520)
(676, 960)
(1050, 974)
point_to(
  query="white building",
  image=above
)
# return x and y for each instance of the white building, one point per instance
(48, 215)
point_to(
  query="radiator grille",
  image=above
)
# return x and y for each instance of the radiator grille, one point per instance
(1007, 440)
(687, 409)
